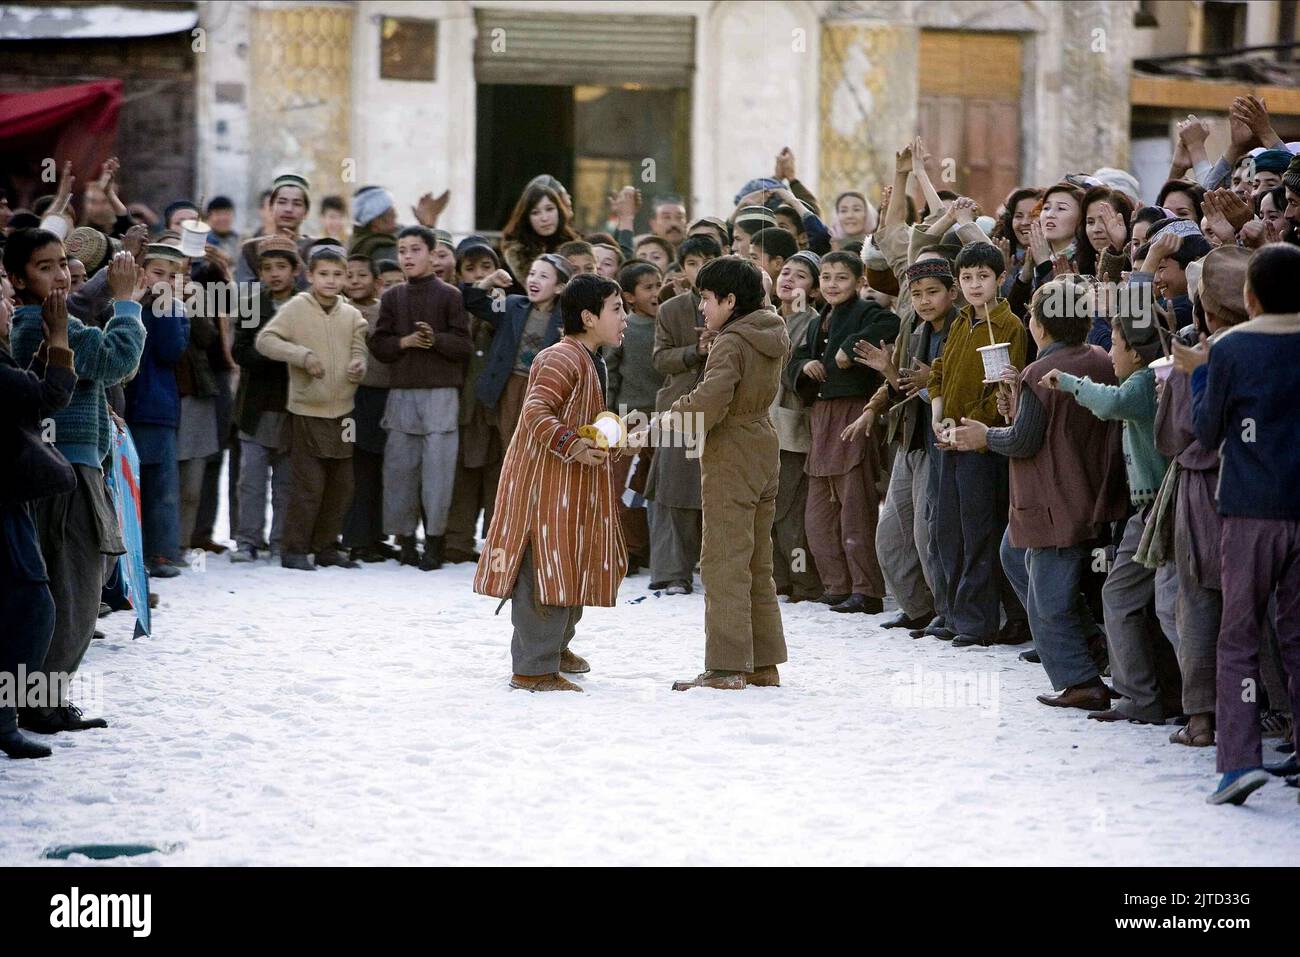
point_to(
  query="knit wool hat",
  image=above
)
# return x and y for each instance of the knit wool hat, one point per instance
(810, 259)
(442, 237)
(371, 203)
(563, 268)
(1141, 334)
(278, 245)
(1273, 161)
(1121, 181)
(751, 215)
(1291, 178)
(163, 251)
(754, 185)
(291, 179)
(1223, 283)
(476, 245)
(936, 267)
(719, 224)
(88, 246)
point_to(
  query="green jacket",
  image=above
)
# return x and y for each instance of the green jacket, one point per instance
(1133, 402)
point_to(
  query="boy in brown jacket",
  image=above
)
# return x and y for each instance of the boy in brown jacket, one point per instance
(740, 466)
(322, 339)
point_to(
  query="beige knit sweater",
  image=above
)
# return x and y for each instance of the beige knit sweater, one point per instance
(302, 328)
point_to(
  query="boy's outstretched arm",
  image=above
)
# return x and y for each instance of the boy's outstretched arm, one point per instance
(1133, 399)
(705, 405)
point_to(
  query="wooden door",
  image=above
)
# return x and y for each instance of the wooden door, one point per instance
(969, 112)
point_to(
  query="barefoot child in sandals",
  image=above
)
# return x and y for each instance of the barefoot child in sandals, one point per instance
(555, 544)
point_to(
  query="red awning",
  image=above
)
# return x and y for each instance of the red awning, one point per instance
(77, 123)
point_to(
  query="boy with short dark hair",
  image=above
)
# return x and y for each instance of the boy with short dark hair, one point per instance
(478, 456)
(1243, 405)
(1143, 664)
(423, 333)
(770, 248)
(972, 498)
(322, 339)
(633, 385)
(681, 345)
(580, 255)
(549, 557)
(729, 407)
(843, 461)
(363, 527)
(390, 275)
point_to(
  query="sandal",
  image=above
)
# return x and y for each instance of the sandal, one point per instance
(1197, 733)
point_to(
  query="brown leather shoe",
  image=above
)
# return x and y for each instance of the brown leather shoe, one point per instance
(1114, 714)
(552, 682)
(722, 680)
(572, 664)
(764, 676)
(1085, 697)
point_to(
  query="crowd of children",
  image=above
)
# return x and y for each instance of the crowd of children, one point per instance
(1064, 421)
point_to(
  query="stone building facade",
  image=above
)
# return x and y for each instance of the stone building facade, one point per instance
(1004, 91)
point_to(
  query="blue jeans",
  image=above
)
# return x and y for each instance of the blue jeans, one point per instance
(160, 492)
(1048, 582)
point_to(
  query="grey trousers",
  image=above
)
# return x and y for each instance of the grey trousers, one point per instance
(793, 567)
(192, 471)
(938, 579)
(1196, 616)
(1136, 656)
(419, 474)
(1049, 583)
(258, 464)
(541, 631)
(903, 537)
(675, 535)
(75, 563)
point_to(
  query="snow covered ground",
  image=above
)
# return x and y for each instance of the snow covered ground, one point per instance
(363, 717)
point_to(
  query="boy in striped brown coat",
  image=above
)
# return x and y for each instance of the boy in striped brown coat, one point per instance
(555, 544)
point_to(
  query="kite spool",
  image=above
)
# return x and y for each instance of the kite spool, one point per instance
(194, 237)
(607, 431)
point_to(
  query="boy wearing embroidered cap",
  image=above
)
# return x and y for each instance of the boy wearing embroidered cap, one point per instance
(747, 222)
(153, 406)
(902, 402)
(289, 204)
(260, 404)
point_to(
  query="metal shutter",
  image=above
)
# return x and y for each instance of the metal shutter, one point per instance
(564, 49)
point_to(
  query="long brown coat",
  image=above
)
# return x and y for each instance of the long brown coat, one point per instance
(740, 466)
(564, 509)
(675, 478)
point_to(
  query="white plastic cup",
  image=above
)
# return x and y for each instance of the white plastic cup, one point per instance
(194, 237)
(58, 225)
(997, 359)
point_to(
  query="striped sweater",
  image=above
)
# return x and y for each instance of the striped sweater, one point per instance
(101, 358)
